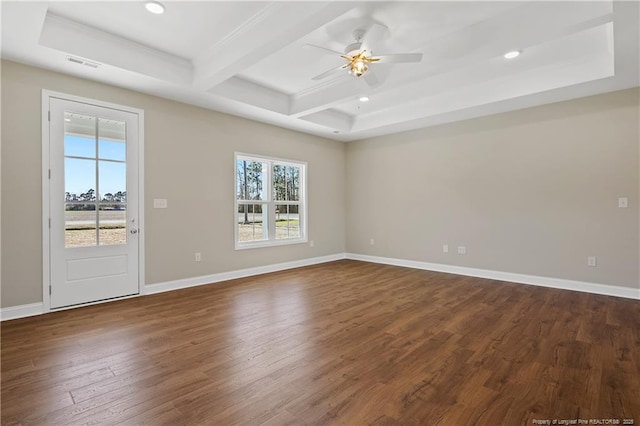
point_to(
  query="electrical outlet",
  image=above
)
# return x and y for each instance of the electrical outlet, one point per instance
(311, 243)
(462, 250)
(445, 248)
(372, 241)
(198, 257)
(592, 261)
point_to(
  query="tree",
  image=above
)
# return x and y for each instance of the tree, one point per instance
(244, 192)
(286, 183)
(88, 196)
(120, 197)
(249, 186)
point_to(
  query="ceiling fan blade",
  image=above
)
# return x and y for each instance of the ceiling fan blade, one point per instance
(330, 72)
(373, 35)
(399, 57)
(326, 49)
(371, 79)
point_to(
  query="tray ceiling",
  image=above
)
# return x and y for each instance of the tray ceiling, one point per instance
(253, 59)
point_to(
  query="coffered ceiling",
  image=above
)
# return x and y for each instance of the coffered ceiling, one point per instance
(259, 59)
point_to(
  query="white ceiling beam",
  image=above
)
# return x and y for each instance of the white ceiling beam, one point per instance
(332, 119)
(334, 92)
(247, 92)
(87, 42)
(274, 27)
(626, 17)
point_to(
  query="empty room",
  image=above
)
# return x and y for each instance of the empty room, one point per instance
(320, 212)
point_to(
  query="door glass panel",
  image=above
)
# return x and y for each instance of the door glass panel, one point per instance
(113, 224)
(80, 225)
(79, 135)
(113, 181)
(79, 179)
(112, 141)
(79, 146)
(112, 150)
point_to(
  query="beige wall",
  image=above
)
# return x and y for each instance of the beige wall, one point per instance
(532, 191)
(188, 160)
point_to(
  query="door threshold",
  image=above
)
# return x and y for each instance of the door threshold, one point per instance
(96, 302)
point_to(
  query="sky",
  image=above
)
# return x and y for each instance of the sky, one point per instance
(80, 171)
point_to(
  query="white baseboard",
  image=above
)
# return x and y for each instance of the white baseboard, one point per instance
(21, 311)
(242, 273)
(586, 287)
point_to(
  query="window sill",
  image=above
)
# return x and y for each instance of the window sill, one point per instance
(261, 244)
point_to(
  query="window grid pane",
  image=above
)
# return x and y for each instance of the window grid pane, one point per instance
(286, 182)
(287, 221)
(80, 225)
(112, 221)
(252, 224)
(250, 178)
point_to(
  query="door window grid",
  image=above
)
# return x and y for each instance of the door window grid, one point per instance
(91, 217)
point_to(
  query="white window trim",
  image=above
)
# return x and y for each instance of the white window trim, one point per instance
(271, 203)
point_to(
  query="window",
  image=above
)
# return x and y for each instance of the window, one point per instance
(270, 202)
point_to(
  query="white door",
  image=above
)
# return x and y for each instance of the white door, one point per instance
(93, 203)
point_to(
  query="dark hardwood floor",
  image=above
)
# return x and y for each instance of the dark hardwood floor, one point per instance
(339, 343)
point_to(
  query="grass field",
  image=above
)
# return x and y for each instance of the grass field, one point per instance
(87, 237)
(80, 228)
(253, 231)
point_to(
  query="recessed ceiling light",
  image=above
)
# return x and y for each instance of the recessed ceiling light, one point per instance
(364, 99)
(155, 7)
(511, 55)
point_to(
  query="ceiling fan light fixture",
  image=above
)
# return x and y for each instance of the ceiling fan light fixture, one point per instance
(358, 68)
(364, 99)
(358, 56)
(154, 7)
(512, 55)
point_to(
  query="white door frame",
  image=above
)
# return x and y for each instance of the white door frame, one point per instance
(46, 196)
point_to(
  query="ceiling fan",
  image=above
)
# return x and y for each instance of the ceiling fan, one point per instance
(359, 54)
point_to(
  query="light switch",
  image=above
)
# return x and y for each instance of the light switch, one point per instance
(623, 202)
(159, 203)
